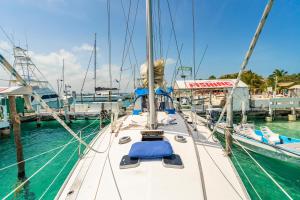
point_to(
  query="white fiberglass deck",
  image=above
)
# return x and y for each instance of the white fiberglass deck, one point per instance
(98, 176)
(218, 170)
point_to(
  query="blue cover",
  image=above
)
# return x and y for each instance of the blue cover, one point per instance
(150, 149)
(141, 91)
(287, 140)
(159, 91)
(169, 90)
(259, 133)
(136, 112)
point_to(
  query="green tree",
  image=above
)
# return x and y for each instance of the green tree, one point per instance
(212, 77)
(255, 82)
(278, 75)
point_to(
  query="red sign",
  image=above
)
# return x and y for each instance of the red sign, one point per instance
(209, 84)
(3, 88)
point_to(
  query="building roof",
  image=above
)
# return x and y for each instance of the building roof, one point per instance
(16, 90)
(285, 84)
(295, 87)
(208, 84)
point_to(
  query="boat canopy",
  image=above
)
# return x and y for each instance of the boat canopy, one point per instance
(163, 100)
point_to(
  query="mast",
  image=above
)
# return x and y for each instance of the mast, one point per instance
(63, 76)
(152, 118)
(95, 62)
(134, 77)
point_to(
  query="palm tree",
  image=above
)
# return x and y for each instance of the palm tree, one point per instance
(279, 73)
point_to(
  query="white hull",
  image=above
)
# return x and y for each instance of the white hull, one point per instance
(264, 149)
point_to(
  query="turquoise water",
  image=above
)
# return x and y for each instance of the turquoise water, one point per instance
(287, 175)
(35, 141)
(51, 135)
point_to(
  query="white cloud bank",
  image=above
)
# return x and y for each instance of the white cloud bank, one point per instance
(50, 65)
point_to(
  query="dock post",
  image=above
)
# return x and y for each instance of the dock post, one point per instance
(229, 128)
(109, 96)
(67, 118)
(244, 115)
(38, 116)
(102, 115)
(38, 121)
(15, 118)
(269, 118)
(79, 146)
(292, 116)
(5, 131)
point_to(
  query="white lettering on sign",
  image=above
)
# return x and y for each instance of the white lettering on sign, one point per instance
(211, 84)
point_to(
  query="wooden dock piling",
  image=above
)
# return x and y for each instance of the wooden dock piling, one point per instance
(228, 132)
(15, 119)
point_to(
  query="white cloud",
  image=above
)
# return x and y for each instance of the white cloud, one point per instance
(170, 61)
(50, 64)
(83, 47)
(5, 46)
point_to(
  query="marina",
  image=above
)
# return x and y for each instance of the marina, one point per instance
(175, 128)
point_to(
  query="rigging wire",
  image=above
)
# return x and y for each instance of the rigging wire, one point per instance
(171, 32)
(247, 57)
(36, 172)
(51, 150)
(267, 174)
(130, 35)
(194, 38)
(125, 39)
(61, 170)
(90, 60)
(223, 173)
(174, 33)
(175, 67)
(247, 178)
(109, 41)
(201, 60)
(160, 29)
(7, 36)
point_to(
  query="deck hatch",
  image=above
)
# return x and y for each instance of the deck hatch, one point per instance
(128, 162)
(150, 149)
(173, 161)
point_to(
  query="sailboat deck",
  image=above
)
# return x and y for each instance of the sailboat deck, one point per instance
(218, 169)
(98, 175)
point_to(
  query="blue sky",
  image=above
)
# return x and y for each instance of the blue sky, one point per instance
(65, 28)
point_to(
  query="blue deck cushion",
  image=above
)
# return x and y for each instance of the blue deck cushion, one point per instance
(150, 149)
